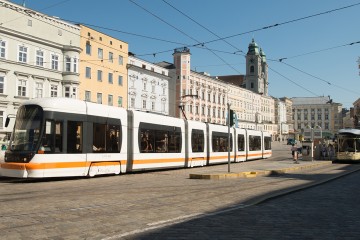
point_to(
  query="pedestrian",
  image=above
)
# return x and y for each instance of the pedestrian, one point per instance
(331, 151)
(294, 151)
(323, 151)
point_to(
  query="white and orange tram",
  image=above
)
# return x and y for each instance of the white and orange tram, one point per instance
(348, 140)
(60, 137)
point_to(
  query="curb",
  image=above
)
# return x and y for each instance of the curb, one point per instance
(251, 174)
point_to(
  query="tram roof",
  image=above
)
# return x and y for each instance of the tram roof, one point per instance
(349, 131)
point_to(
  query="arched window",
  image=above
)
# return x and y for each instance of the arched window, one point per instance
(252, 69)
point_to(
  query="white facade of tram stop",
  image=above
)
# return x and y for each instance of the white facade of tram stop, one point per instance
(311, 144)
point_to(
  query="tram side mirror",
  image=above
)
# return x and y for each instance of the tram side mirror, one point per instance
(7, 121)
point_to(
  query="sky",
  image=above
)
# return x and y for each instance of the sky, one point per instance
(317, 41)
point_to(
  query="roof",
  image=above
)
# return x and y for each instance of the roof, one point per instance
(309, 100)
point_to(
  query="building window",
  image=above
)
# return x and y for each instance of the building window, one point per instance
(163, 106)
(2, 84)
(153, 88)
(22, 88)
(111, 57)
(88, 48)
(74, 92)
(121, 60)
(110, 78)
(110, 100)
(144, 86)
(88, 72)
(120, 100)
(120, 80)
(252, 69)
(39, 89)
(75, 65)
(1, 119)
(39, 58)
(54, 62)
(53, 90)
(2, 49)
(144, 104)
(319, 116)
(88, 96)
(132, 102)
(67, 64)
(67, 91)
(99, 75)
(99, 98)
(153, 106)
(100, 53)
(23, 54)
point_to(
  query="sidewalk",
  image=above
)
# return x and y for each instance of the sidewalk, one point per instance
(281, 162)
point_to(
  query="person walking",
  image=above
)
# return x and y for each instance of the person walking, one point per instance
(294, 151)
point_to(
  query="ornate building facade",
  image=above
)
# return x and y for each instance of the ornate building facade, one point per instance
(39, 57)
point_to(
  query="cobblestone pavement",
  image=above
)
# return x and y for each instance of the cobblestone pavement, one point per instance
(153, 204)
(327, 211)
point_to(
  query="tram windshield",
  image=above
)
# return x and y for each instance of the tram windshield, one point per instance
(26, 134)
(349, 144)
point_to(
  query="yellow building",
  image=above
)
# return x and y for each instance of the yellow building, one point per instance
(103, 72)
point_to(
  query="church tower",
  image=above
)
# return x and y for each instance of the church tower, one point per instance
(256, 70)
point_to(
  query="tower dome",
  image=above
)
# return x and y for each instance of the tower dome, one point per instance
(263, 55)
(253, 48)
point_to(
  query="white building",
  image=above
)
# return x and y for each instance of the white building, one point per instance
(39, 57)
(319, 112)
(281, 120)
(148, 86)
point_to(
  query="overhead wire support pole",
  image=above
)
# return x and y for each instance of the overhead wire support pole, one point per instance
(228, 105)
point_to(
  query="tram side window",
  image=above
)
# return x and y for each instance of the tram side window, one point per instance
(147, 140)
(220, 142)
(99, 136)
(113, 137)
(106, 138)
(254, 143)
(241, 142)
(197, 140)
(159, 141)
(267, 143)
(174, 142)
(74, 137)
(52, 139)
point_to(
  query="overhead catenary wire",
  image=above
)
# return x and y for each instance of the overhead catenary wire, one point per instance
(289, 22)
(199, 43)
